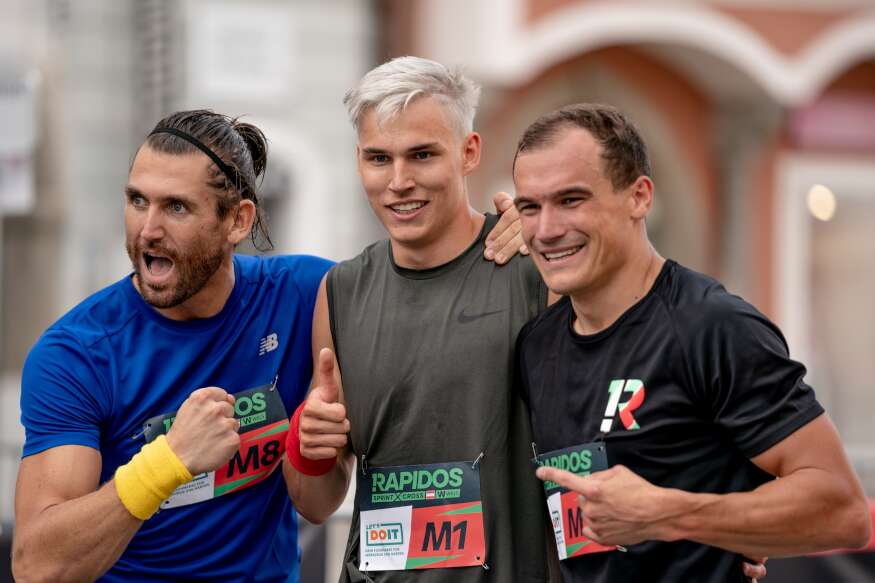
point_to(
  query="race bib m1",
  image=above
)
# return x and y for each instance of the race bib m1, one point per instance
(263, 427)
(420, 517)
(562, 504)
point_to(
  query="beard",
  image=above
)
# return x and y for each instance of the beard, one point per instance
(192, 270)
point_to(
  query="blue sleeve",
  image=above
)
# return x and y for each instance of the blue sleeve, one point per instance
(61, 393)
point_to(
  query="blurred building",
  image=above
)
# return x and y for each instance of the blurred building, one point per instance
(746, 106)
(81, 84)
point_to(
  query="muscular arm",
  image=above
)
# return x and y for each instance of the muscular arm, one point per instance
(816, 503)
(70, 529)
(317, 497)
(66, 528)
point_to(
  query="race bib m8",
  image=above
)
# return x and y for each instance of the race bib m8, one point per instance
(263, 427)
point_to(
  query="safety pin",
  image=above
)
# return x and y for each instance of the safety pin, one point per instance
(364, 465)
(142, 431)
(477, 461)
(535, 453)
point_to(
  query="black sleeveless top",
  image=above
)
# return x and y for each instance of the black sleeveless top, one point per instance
(427, 360)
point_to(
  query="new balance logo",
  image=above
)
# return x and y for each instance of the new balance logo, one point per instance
(268, 344)
(616, 389)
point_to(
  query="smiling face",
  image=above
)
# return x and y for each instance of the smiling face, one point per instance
(582, 233)
(413, 168)
(173, 235)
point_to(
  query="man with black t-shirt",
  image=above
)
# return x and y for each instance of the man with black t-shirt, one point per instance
(662, 406)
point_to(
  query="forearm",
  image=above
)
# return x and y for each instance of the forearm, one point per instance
(76, 540)
(806, 511)
(317, 497)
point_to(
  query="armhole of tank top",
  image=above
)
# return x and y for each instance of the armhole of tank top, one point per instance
(332, 323)
(543, 293)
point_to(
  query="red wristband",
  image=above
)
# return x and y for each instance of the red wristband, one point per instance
(304, 465)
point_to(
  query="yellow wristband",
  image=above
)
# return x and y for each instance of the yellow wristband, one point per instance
(150, 478)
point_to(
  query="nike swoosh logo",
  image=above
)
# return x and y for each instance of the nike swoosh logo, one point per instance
(467, 318)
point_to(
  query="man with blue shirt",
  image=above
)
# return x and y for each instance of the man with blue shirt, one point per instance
(171, 388)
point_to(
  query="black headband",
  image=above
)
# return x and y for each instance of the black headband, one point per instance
(230, 173)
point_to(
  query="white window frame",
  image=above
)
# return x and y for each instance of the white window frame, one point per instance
(796, 173)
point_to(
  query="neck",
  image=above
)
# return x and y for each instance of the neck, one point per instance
(449, 244)
(595, 310)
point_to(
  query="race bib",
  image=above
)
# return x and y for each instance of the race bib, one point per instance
(420, 517)
(263, 427)
(562, 504)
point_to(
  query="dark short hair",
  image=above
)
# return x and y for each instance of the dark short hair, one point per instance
(623, 150)
(241, 146)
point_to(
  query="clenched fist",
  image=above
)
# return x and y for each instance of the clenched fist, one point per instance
(204, 434)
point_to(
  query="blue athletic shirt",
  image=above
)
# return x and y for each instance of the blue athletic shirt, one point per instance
(112, 362)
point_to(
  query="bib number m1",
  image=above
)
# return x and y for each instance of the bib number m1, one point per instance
(420, 517)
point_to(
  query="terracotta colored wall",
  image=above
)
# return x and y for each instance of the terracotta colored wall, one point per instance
(787, 30)
(537, 9)
(762, 221)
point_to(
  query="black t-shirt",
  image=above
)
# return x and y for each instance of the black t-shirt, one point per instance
(719, 389)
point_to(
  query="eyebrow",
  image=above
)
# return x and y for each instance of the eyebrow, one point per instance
(131, 191)
(576, 189)
(428, 146)
(416, 148)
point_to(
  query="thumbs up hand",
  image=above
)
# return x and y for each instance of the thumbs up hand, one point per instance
(323, 424)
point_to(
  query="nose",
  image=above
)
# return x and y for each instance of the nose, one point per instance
(550, 227)
(401, 178)
(153, 225)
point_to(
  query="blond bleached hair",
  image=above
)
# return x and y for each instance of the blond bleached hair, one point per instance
(391, 87)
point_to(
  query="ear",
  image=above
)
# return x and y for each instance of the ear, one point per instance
(470, 153)
(640, 197)
(358, 158)
(243, 219)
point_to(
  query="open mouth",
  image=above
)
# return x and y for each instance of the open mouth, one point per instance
(557, 255)
(158, 266)
(408, 208)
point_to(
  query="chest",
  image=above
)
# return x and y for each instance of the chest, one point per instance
(630, 390)
(152, 370)
(430, 359)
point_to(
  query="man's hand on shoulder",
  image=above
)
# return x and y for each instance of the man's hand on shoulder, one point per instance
(505, 239)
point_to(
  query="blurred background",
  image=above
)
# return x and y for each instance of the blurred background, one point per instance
(760, 116)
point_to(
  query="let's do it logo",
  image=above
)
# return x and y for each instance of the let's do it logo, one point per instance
(616, 390)
(384, 533)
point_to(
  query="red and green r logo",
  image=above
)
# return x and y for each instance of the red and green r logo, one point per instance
(616, 389)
